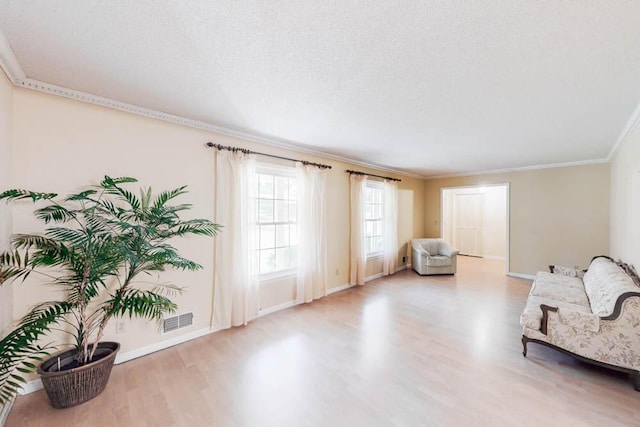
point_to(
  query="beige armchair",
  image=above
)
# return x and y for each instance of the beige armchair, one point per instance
(433, 256)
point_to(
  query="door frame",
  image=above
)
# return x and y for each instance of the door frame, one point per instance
(508, 213)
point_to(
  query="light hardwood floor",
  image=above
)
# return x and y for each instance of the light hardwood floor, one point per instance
(400, 351)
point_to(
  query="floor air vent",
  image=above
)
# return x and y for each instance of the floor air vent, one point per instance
(177, 322)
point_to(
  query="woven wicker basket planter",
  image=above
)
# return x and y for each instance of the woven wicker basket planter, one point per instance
(77, 385)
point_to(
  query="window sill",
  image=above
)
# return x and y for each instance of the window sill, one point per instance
(277, 276)
(375, 255)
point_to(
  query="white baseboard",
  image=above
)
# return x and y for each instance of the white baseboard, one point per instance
(374, 277)
(494, 257)
(278, 307)
(31, 386)
(522, 276)
(4, 412)
(339, 288)
(143, 351)
(404, 267)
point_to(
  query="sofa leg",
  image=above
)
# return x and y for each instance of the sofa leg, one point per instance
(635, 378)
(524, 346)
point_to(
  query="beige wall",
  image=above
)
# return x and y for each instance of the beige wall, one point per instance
(6, 118)
(74, 144)
(625, 201)
(557, 216)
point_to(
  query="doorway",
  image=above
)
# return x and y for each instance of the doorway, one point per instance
(475, 219)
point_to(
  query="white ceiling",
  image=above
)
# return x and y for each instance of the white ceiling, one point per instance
(428, 87)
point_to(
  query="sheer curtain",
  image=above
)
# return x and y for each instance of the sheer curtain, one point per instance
(235, 296)
(390, 229)
(312, 233)
(358, 253)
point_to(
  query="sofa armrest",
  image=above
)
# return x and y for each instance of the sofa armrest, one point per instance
(450, 253)
(446, 250)
(418, 249)
(567, 316)
(544, 323)
(579, 320)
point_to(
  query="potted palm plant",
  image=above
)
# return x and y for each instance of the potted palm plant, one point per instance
(95, 246)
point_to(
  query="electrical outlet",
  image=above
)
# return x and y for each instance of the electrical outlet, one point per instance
(337, 271)
(121, 327)
(404, 259)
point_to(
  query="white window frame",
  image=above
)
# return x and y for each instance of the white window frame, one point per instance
(275, 170)
(378, 186)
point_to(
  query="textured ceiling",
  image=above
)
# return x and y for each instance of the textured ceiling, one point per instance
(429, 87)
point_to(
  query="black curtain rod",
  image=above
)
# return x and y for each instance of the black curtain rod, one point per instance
(370, 174)
(244, 150)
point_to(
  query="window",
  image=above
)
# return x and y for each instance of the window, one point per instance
(276, 219)
(373, 218)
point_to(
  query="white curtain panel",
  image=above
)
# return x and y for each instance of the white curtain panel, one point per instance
(236, 293)
(312, 233)
(390, 229)
(358, 253)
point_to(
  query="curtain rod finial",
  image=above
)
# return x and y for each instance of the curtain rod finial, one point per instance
(210, 144)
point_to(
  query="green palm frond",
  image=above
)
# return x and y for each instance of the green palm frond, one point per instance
(145, 197)
(14, 266)
(110, 182)
(11, 195)
(165, 196)
(20, 348)
(196, 226)
(69, 236)
(54, 213)
(36, 241)
(84, 195)
(140, 303)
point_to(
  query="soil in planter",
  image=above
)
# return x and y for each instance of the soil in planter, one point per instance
(67, 363)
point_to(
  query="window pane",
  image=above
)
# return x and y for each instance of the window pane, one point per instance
(378, 244)
(368, 211)
(293, 256)
(276, 206)
(282, 259)
(282, 211)
(265, 186)
(368, 245)
(377, 228)
(378, 195)
(368, 228)
(265, 210)
(267, 261)
(267, 236)
(379, 210)
(368, 198)
(282, 235)
(292, 211)
(293, 234)
(282, 187)
(293, 186)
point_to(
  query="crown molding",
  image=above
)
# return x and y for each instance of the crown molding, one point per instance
(523, 168)
(52, 89)
(629, 127)
(9, 63)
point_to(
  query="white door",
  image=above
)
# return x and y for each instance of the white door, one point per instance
(467, 230)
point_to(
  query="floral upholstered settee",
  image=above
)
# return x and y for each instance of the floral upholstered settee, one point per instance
(595, 318)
